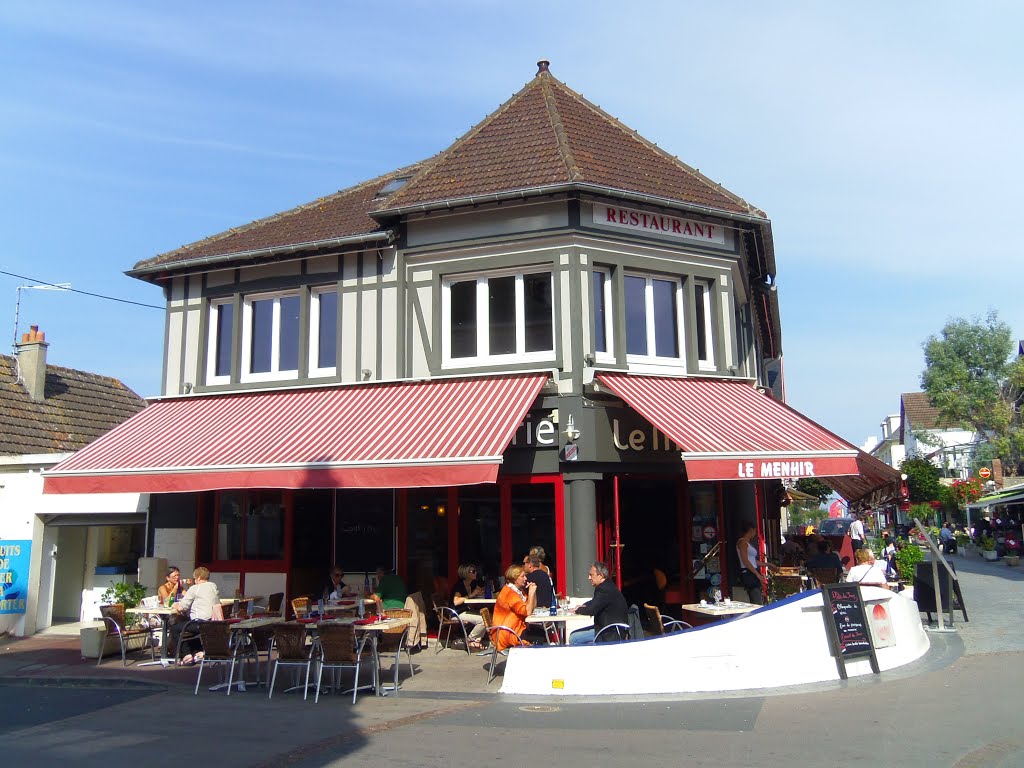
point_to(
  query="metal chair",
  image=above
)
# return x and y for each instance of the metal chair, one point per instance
(275, 603)
(336, 648)
(220, 647)
(493, 631)
(114, 622)
(662, 624)
(292, 651)
(189, 634)
(392, 642)
(621, 632)
(448, 620)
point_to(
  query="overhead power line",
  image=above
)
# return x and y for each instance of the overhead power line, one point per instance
(84, 293)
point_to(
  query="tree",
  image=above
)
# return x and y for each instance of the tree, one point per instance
(922, 479)
(814, 487)
(971, 379)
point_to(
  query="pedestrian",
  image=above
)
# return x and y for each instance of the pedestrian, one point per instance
(857, 530)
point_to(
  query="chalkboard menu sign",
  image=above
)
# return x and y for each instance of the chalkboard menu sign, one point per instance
(846, 624)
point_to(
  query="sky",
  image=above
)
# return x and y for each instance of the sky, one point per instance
(882, 139)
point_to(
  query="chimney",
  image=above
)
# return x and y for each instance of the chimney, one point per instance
(31, 351)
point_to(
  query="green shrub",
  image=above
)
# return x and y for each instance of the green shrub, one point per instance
(907, 558)
(130, 595)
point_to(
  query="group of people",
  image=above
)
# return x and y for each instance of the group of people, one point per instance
(389, 592)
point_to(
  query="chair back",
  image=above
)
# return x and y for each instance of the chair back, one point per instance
(612, 632)
(274, 603)
(337, 643)
(391, 640)
(290, 641)
(300, 606)
(485, 614)
(823, 576)
(230, 609)
(654, 621)
(216, 637)
(115, 614)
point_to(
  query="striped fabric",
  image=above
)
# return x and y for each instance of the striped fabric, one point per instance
(400, 435)
(727, 430)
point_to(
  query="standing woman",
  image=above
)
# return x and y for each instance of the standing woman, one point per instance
(516, 601)
(751, 577)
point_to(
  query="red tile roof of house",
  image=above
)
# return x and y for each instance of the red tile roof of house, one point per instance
(921, 414)
(546, 136)
(78, 407)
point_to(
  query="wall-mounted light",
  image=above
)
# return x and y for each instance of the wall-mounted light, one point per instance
(187, 387)
(367, 374)
(571, 433)
(441, 510)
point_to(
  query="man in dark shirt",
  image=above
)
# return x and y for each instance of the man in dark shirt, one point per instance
(535, 574)
(825, 558)
(608, 606)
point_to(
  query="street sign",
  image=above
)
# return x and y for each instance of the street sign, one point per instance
(984, 473)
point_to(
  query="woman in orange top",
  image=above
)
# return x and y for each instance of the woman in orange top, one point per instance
(516, 601)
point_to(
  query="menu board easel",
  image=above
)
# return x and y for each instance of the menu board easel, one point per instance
(847, 625)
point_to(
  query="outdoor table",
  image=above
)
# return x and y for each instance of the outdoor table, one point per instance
(345, 604)
(560, 621)
(719, 611)
(241, 631)
(374, 629)
(480, 601)
(165, 613)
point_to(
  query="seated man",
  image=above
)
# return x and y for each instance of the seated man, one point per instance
(335, 587)
(608, 606)
(391, 591)
(825, 557)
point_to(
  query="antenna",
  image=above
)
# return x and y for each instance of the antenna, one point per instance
(17, 303)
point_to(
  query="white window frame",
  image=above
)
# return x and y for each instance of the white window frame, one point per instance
(483, 320)
(654, 363)
(708, 363)
(608, 356)
(211, 341)
(275, 338)
(314, 331)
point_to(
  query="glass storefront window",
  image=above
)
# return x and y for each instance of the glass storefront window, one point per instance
(533, 521)
(249, 525)
(480, 529)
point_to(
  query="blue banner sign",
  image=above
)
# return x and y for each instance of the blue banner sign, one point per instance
(15, 557)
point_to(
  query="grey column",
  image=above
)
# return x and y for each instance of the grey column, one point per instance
(582, 512)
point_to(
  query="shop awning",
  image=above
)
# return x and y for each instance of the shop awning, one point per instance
(400, 435)
(727, 430)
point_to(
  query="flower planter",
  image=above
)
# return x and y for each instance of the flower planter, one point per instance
(989, 554)
(1012, 559)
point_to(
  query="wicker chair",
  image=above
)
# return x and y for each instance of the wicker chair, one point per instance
(661, 624)
(219, 647)
(493, 632)
(292, 651)
(114, 623)
(336, 648)
(783, 585)
(447, 622)
(391, 642)
(300, 607)
(823, 576)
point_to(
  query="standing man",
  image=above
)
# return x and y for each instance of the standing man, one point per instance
(608, 606)
(857, 530)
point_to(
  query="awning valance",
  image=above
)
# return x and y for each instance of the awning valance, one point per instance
(398, 435)
(728, 430)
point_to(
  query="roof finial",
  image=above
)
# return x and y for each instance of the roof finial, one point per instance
(542, 66)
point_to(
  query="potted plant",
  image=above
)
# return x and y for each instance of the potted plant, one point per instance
(988, 547)
(1012, 551)
(907, 558)
(92, 637)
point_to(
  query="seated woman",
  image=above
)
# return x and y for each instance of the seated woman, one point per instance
(199, 603)
(516, 601)
(867, 571)
(466, 587)
(173, 588)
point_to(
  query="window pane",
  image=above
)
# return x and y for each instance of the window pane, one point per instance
(288, 341)
(229, 525)
(264, 529)
(537, 306)
(501, 304)
(327, 333)
(666, 336)
(600, 321)
(225, 331)
(262, 334)
(700, 295)
(636, 315)
(463, 312)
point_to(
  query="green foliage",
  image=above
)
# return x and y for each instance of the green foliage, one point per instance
(970, 377)
(907, 558)
(988, 544)
(922, 478)
(130, 595)
(814, 487)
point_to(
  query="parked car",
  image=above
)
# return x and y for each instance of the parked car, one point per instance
(835, 526)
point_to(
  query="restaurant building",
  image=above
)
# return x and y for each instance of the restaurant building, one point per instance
(552, 332)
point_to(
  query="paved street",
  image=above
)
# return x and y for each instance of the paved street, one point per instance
(955, 707)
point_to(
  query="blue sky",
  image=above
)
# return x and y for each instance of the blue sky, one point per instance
(882, 139)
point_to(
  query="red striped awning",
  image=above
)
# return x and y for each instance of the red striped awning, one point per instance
(401, 435)
(727, 430)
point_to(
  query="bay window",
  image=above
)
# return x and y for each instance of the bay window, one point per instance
(704, 327)
(220, 333)
(323, 331)
(601, 292)
(270, 337)
(654, 323)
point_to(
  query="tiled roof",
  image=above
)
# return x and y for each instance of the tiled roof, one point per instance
(920, 413)
(548, 134)
(342, 214)
(78, 408)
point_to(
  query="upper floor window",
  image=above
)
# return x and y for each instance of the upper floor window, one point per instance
(323, 324)
(602, 297)
(654, 324)
(221, 333)
(705, 340)
(498, 317)
(270, 337)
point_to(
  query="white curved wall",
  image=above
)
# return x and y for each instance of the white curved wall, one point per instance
(781, 644)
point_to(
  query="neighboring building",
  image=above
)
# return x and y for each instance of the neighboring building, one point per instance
(58, 553)
(890, 448)
(923, 432)
(551, 333)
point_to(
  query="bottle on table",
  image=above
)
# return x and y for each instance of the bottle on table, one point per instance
(488, 592)
(554, 603)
